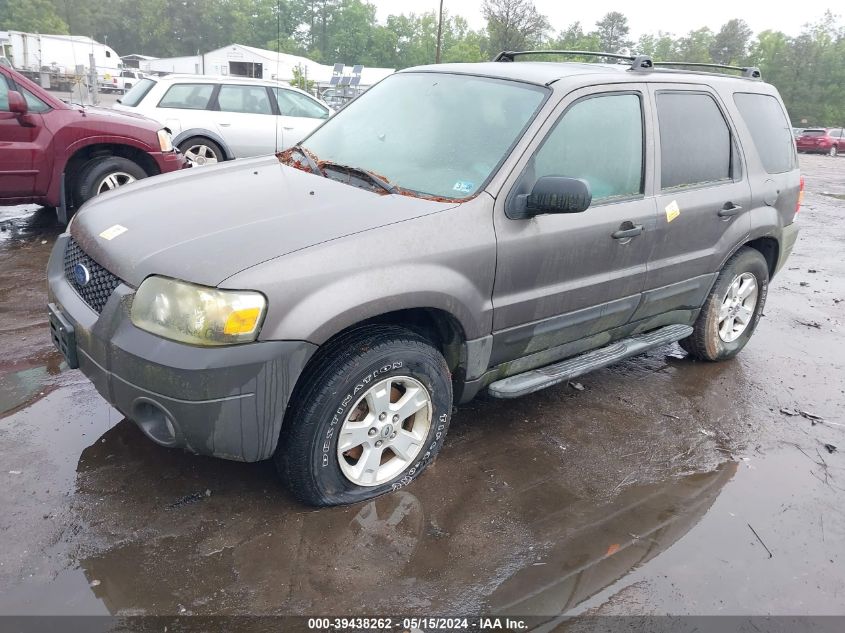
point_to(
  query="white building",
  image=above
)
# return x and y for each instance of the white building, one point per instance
(248, 61)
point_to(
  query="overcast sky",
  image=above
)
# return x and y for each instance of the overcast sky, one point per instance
(650, 16)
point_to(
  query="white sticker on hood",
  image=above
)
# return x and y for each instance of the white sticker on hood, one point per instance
(113, 231)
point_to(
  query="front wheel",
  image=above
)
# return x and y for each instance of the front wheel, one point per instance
(371, 413)
(201, 151)
(732, 309)
(104, 174)
(833, 151)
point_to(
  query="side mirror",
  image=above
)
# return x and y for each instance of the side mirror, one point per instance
(554, 194)
(17, 103)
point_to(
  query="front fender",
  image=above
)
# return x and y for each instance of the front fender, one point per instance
(444, 260)
(340, 305)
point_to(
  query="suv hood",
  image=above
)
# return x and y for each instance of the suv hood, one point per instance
(113, 116)
(208, 223)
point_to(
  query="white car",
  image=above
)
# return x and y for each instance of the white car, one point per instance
(213, 119)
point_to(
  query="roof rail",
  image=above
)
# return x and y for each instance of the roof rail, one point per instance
(752, 72)
(639, 62)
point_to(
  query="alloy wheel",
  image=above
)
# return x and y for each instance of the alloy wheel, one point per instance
(201, 155)
(738, 307)
(385, 431)
(115, 180)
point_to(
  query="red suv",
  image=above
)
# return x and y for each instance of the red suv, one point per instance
(60, 155)
(822, 141)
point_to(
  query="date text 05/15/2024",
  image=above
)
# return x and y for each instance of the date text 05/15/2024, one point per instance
(415, 624)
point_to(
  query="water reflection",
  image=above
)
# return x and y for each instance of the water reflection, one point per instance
(530, 548)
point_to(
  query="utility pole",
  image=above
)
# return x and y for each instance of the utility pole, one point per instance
(439, 35)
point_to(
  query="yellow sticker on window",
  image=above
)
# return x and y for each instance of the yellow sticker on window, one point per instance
(672, 210)
(113, 231)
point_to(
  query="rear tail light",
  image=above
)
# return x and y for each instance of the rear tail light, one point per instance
(800, 196)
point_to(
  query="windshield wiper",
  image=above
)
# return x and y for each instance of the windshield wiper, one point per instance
(312, 164)
(360, 171)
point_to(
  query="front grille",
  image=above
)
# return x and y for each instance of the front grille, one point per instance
(101, 283)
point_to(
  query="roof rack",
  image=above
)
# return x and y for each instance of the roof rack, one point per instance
(638, 62)
(752, 72)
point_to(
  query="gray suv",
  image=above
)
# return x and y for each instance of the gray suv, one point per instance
(502, 226)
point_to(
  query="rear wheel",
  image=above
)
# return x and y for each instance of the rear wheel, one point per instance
(104, 174)
(371, 414)
(201, 151)
(833, 151)
(732, 309)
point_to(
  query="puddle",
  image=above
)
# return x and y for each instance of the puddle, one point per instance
(528, 545)
(23, 223)
(21, 387)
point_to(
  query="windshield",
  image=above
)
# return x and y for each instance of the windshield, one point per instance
(137, 92)
(815, 132)
(431, 133)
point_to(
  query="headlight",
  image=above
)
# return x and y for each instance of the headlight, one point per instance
(197, 315)
(165, 140)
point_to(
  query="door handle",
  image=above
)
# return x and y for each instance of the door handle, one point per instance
(224, 124)
(730, 209)
(627, 231)
(287, 128)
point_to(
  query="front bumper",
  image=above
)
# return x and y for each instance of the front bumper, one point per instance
(226, 402)
(170, 161)
(819, 149)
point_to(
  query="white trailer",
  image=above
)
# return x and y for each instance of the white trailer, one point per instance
(61, 57)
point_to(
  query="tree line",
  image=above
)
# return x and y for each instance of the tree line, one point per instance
(808, 69)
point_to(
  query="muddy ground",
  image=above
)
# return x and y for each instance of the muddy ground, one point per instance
(659, 485)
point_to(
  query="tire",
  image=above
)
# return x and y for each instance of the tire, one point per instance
(713, 339)
(833, 151)
(201, 151)
(102, 174)
(341, 387)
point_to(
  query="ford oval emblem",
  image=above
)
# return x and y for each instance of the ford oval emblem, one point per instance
(81, 275)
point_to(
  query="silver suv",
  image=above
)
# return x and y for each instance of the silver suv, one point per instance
(462, 227)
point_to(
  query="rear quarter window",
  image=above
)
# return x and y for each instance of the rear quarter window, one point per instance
(770, 130)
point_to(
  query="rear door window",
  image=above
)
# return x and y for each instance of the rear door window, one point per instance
(246, 99)
(187, 96)
(770, 130)
(695, 141)
(599, 139)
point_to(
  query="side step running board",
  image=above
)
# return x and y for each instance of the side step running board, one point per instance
(536, 379)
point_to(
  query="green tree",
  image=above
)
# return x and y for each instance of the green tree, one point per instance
(31, 16)
(661, 46)
(573, 38)
(513, 25)
(730, 45)
(695, 46)
(612, 31)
